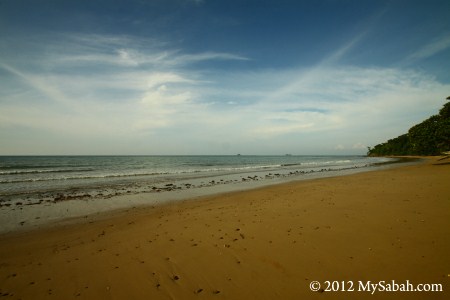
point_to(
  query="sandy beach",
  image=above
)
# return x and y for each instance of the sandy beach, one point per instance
(267, 243)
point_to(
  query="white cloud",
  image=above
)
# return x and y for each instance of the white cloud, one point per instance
(434, 47)
(189, 58)
(359, 146)
(161, 107)
(86, 50)
(159, 78)
(130, 93)
(269, 131)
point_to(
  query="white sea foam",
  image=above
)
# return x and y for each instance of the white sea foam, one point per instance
(25, 175)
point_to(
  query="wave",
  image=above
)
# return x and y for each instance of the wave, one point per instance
(15, 172)
(242, 168)
(42, 166)
(19, 176)
(123, 175)
(77, 177)
(318, 163)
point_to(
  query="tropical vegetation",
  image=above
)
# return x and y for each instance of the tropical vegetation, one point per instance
(431, 137)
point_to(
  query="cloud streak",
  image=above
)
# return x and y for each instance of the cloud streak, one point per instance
(43, 87)
(436, 46)
(156, 102)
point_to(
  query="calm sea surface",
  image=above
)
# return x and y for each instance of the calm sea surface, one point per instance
(27, 175)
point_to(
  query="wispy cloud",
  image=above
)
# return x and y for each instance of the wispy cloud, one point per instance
(155, 98)
(434, 47)
(108, 88)
(124, 51)
(184, 59)
(39, 84)
(342, 101)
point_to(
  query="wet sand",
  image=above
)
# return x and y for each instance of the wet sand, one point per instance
(38, 210)
(267, 243)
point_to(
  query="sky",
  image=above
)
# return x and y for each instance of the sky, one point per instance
(197, 77)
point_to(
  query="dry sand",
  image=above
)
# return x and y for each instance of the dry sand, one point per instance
(268, 243)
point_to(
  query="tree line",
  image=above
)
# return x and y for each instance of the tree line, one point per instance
(431, 137)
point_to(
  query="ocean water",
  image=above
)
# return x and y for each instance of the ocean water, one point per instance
(47, 176)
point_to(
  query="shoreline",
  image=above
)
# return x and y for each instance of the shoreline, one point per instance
(74, 177)
(269, 242)
(23, 215)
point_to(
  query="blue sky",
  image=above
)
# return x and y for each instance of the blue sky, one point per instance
(218, 77)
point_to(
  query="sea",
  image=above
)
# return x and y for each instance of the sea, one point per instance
(56, 178)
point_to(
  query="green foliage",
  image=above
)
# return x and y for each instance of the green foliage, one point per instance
(431, 137)
(398, 146)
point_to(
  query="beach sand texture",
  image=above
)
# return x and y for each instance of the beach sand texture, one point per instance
(267, 243)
